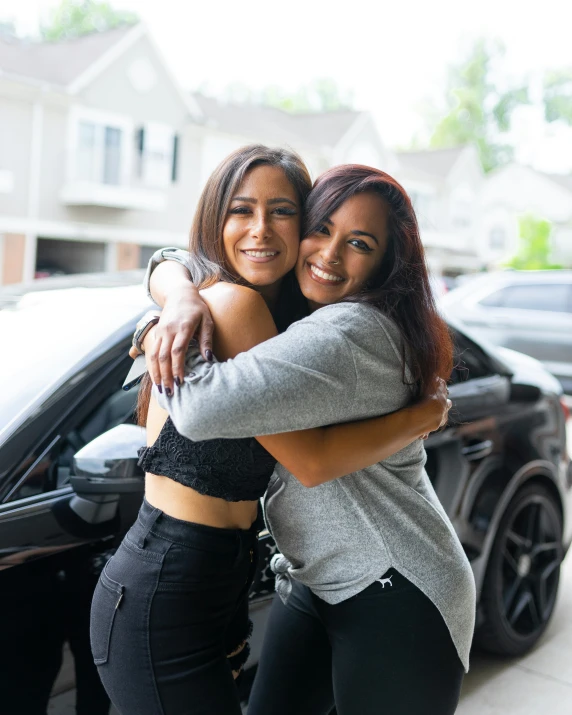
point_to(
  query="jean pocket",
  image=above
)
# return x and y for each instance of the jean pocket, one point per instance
(106, 599)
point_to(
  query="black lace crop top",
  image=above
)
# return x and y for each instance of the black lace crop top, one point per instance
(230, 469)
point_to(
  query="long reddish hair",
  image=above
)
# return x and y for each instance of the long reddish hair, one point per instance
(401, 288)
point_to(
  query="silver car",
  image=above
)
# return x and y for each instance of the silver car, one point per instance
(528, 311)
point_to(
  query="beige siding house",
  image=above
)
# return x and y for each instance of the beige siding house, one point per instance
(103, 156)
(514, 190)
(98, 154)
(445, 186)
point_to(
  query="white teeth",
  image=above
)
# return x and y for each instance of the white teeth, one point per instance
(326, 276)
(261, 254)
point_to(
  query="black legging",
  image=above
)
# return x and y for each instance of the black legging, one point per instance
(386, 650)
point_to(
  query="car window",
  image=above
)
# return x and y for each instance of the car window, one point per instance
(51, 468)
(469, 361)
(494, 300)
(541, 296)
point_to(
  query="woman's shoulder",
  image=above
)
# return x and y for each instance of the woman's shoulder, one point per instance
(223, 296)
(364, 325)
(353, 314)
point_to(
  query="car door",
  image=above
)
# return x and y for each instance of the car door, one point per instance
(472, 444)
(536, 319)
(35, 495)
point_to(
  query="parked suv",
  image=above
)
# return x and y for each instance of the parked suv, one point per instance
(70, 486)
(528, 311)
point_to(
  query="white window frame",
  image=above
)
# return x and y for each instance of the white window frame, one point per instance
(103, 119)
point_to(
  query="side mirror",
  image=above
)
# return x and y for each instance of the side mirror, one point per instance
(108, 464)
(103, 470)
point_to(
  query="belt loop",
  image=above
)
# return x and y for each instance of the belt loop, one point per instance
(147, 526)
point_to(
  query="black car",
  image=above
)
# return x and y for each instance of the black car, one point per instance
(70, 486)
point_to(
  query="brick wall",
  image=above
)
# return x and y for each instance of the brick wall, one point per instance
(13, 249)
(127, 256)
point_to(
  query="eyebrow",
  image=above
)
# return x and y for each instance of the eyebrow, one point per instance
(355, 232)
(270, 202)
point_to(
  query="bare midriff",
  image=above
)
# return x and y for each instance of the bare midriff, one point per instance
(182, 502)
(185, 503)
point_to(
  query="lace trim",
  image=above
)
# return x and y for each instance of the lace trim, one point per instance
(230, 469)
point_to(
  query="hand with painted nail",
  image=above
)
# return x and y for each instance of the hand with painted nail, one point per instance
(185, 315)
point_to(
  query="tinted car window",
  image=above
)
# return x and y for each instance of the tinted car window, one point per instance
(494, 300)
(469, 361)
(541, 296)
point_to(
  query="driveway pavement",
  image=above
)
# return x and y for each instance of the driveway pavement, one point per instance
(538, 684)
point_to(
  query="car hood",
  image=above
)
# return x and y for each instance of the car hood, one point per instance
(528, 370)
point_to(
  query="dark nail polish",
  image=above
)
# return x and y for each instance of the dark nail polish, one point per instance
(168, 391)
(160, 387)
(209, 355)
(178, 381)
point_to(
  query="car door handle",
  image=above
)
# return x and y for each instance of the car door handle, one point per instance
(477, 451)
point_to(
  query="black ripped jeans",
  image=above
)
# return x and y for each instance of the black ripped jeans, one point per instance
(169, 609)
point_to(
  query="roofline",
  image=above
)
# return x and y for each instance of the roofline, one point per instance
(190, 103)
(355, 127)
(40, 84)
(116, 51)
(531, 170)
(460, 147)
(473, 149)
(106, 59)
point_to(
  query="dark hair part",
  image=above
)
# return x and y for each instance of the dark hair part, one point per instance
(401, 288)
(207, 260)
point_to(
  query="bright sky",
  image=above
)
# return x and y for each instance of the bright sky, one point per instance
(392, 55)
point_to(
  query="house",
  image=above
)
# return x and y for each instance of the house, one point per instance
(323, 139)
(514, 190)
(103, 156)
(98, 150)
(445, 186)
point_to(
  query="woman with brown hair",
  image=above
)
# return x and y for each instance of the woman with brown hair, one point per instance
(169, 616)
(377, 598)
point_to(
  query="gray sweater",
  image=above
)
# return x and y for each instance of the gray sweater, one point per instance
(340, 364)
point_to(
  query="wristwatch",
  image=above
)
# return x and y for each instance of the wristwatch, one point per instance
(144, 325)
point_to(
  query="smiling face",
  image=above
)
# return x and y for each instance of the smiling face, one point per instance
(345, 252)
(261, 234)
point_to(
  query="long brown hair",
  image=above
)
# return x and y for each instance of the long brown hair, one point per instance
(401, 288)
(207, 262)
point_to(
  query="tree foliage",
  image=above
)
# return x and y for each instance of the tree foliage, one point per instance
(535, 246)
(74, 18)
(320, 95)
(478, 111)
(558, 95)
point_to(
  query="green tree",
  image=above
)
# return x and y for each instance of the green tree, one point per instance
(478, 111)
(320, 95)
(558, 95)
(74, 18)
(535, 246)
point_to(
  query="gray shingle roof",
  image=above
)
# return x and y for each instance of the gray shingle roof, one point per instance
(276, 125)
(433, 162)
(564, 180)
(58, 63)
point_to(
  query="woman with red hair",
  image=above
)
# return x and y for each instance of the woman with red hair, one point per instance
(376, 596)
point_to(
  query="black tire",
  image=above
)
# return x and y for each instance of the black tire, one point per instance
(523, 573)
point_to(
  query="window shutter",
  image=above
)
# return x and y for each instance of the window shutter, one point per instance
(140, 140)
